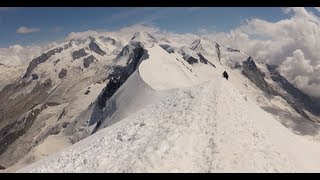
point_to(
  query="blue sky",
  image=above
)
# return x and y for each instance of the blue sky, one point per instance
(49, 24)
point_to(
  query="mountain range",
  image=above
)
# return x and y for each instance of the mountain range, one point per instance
(153, 104)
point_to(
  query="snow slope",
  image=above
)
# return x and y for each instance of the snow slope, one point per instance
(165, 71)
(132, 96)
(206, 128)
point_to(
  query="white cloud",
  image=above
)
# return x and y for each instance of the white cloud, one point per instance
(26, 30)
(124, 34)
(17, 55)
(291, 43)
(296, 66)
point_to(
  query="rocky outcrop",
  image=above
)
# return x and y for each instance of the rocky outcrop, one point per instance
(17, 116)
(41, 59)
(79, 54)
(217, 46)
(34, 76)
(251, 71)
(194, 59)
(134, 53)
(196, 45)
(63, 73)
(17, 128)
(93, 46)
(88, 60)
(15, 107)
(167, 47)
(56, 62)
(204, 60)
(232, 50)
(294, 93)
(191, 60)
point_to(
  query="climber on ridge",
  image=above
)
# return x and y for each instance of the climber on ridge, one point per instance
(225, 75)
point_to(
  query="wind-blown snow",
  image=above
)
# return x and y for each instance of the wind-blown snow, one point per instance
(207, 128)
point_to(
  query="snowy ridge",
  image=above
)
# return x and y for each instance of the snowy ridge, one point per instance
(192, 130)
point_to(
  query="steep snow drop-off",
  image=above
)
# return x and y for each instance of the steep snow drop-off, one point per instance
(206, 128)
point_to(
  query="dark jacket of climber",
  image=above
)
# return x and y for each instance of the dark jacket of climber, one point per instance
(225, 75)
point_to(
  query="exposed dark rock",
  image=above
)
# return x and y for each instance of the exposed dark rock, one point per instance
(121, 74)
(191, 60)
(65, 124)
(299, 97)
(14, 108)
(51, 104)
(167, 47)
(16, 129)
(204, 60)
(95, 48)
(218, 51)
(88, 60)
(87, 92)
(41, 59)
(196, 45)
(34, 76)
(184, 65)
(79, 54)
(62, 73)
(232, 50)
(55, 62)
(236, 66)
(251, 71)
(2, 168)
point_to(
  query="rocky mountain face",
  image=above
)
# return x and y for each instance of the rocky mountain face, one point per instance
(294, 97)
(50, 80)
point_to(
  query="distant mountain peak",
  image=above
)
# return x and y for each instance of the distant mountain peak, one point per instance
(144, 37)
(91, 38)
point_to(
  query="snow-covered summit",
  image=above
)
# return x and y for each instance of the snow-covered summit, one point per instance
(145, 38)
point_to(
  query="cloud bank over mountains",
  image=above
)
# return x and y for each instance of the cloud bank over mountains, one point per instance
(293, 44)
